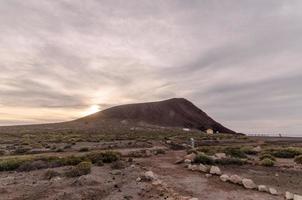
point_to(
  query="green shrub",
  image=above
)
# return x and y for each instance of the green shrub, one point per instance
(235, 152)
(298, 159)
(267, 162)
(82, 168)
(289, 152)
(249, 151)
(230, 161)
(266, 155)
(11, 164)
(106, 157)
(203, 159)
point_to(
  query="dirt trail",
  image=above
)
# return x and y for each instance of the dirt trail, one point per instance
(196, 184)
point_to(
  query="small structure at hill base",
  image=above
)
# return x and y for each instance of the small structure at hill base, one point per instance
(210, 131)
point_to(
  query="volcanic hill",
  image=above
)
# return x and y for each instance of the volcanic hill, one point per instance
(176, 112)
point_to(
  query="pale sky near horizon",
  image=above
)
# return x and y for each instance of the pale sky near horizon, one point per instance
(239, 61)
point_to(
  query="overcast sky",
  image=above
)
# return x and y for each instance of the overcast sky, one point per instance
(239, 61)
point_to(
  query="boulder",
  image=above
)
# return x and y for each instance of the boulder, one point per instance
(148, 176)
(248, 183)
(215, 170)
(203, 168)
(220, 155)
(289, 196)
(297, 197)
(191, 156)
(236, 179)
(273, 191)
(262, 188)
(224, 178)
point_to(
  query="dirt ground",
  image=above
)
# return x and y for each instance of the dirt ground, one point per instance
(105, 183)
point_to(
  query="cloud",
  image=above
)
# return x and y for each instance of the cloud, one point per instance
(238, 61)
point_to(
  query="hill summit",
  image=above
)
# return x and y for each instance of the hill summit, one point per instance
(176, 112)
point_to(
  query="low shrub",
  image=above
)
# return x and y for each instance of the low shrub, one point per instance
(289, 152)
(267, 162)
(82, 168)
(298, 159)
(203, 159)
(230, 161)
(118, 165)
(249, 151)
(235, 152)
(32, 165)
(266, 155)
(106, 157)
(11, 164)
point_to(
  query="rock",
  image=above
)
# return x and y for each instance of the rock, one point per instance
(236, 179)
(138, 179)
(193, 199)
(262, 188)
(208, 175)
(297, 197)
(220, 155)
(191, 156)
(188, 161)
(215, 170)
(203, 168)
(157, 182)
(193, 167)
(289, 196)
(224, 178)
(248, 183)
(148, 176)
(273, 191)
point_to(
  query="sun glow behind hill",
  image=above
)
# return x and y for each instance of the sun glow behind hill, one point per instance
(91, 110)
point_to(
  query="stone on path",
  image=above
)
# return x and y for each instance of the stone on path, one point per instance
(203, 168)
(215, 170)
(297, 197)
(289, 196)
(273, 191)
(224, 178)
(262, 188)
(248, 183)
(236, 179)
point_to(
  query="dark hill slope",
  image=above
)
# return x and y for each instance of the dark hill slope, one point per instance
(177, 112)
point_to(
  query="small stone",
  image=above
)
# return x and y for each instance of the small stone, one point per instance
(188, 161)
(262, 188)
(220, 155)
(148, 176)
(248, 183)
(138, 179)
(179, 161)
(157, 182)
(257, 149)
(297, 197)
(193, 167)
(203, 168)
(289, 196)
(116, 172)
(193, 199)
(273, 191)
(236, 179)
(224, 178)
(215, 170)
(208, 175)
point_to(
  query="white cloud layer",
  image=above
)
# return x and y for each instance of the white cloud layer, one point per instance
(238, 60)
